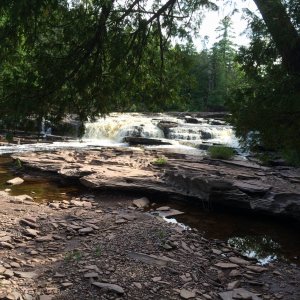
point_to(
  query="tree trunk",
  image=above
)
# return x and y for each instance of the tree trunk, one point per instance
(283, 32)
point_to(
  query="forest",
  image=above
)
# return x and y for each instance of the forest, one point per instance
(92, 57)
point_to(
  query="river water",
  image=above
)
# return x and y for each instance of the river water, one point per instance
(263, 238)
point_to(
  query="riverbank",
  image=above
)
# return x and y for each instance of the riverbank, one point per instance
(88, 248)
(236, 184)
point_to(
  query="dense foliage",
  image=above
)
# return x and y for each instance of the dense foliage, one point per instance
(90, 57)
(265, 105)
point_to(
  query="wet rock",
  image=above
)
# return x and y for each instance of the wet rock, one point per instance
(191, 120)
(144, 141)
(206, 135)
(15, 181)
(108, 286)
(171, 213)
(166, 125)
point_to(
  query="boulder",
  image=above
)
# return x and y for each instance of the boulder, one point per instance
(166, 125)
(191, 120)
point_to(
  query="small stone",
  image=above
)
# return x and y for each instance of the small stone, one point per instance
(45, 238)
(277, 273)
(27, 297)
(5, 238)
(257, 269)
(185, 294)
(226, 265)
(163, 208)
(111, 287)
(15, 265)
(141, 203)
(86, 230)
(31, 232)
(216, 251)
(29, 275)
(6, 245)
(233, 285)
(67, 284)
(138, 285)
(91, 275)
(120, 221)
(234, 273)
(8, 273)
(15, 181)
(155, 279)
(58, 275)
(28, 223)
(239, 261)
(54, 205)
(45, 297)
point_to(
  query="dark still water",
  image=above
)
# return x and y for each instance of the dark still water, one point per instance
(264, 238)
(38, 187)
(256, 236)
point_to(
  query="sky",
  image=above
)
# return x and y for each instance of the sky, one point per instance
(212, 18)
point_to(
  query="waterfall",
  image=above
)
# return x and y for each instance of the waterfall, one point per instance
(193, 131)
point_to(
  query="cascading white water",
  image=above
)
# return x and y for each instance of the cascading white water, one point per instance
(117, 126)
(110, 131)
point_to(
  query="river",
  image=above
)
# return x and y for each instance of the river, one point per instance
(262, 238)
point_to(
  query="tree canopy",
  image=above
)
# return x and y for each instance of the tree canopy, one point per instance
(90, 57)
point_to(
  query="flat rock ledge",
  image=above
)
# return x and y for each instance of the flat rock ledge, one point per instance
(237, 184)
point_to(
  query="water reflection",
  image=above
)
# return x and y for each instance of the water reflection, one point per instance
(255, 236)
(263, 248)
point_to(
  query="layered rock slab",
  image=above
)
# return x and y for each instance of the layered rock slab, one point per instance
(237, 184)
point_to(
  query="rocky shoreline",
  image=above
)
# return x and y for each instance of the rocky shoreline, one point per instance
(238, 184)
(91, 248)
